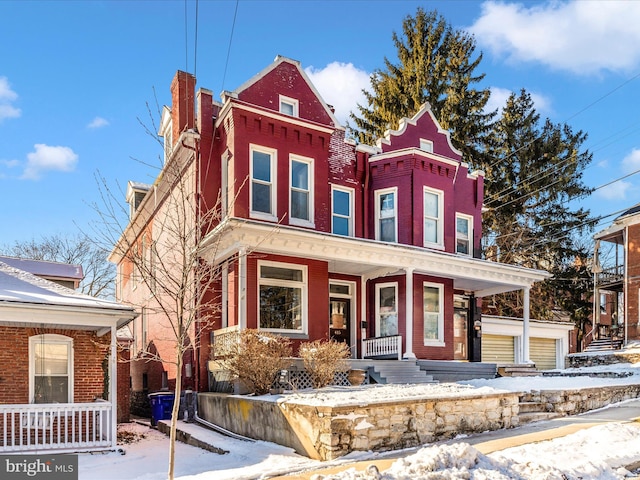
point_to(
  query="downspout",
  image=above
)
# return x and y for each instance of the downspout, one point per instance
(113, 382)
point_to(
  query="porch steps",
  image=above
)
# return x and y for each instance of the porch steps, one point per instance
(533, 410)
(604, 344)
(518, 370)
(398, 372)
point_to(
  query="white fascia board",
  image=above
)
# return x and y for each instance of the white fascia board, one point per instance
(277, 239)
(82, 318)
(272, 114)
(416, 151)
(513, 327)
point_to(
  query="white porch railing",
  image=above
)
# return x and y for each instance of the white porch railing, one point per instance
(56, 427)
(382, 347)
(223, 340)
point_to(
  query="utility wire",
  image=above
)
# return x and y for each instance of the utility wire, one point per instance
(195, 46)
(233, 26)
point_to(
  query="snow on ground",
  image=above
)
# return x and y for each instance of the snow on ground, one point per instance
(594, 453)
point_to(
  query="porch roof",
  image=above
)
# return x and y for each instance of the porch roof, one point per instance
(27, 300)
(367, 258)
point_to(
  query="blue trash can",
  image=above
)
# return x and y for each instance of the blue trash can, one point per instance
(161, 406)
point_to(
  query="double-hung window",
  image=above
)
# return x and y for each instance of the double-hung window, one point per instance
(289, 106)
(433, 311)
(386, 215)
(50, 369)
(301, 193)
(342, 211)
(263, 183)
(387, 309)
(283, 297)
(433, 209)
(464, 234)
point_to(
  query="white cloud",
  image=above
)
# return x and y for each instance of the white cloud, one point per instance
(631, 163)
(578, 36)
(47, 157)
(340, 85)
(615, 191)
(98, 122)
(7, 96)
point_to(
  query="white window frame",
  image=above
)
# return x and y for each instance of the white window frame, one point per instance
(50, 338)
(426, 145)
(351, 193)
(273, 153)
(168, 141)
(294, 103)
(439, 243)
(310, 180)
(379, 287)
(378, 197)
(439, 342)
(303, 285)
(469, 238)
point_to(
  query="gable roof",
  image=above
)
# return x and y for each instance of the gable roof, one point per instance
(45, 269)
(26, 298)
(277, 63)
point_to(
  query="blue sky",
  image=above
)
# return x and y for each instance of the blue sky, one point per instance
(78, 79)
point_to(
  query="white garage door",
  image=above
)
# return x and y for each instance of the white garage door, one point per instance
(542, 352)
(497, 349)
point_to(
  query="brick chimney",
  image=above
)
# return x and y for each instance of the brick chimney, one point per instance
(182, 103)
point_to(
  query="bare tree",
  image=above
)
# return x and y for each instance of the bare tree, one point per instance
(160, 252)
(73, 249)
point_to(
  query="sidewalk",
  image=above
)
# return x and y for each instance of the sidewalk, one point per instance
(497, 440)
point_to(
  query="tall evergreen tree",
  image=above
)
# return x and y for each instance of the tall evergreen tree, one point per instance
(436, 64)
(535, 173)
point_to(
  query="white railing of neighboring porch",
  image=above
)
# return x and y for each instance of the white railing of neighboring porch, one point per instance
(56, 427)
(382, 346)
(223, 340)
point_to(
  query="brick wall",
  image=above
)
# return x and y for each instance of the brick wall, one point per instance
(89, 353)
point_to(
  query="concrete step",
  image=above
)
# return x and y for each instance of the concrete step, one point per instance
(400, 372)
(516, 370)
(536, 417)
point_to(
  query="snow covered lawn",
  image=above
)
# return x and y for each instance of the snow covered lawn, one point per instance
(595, 453)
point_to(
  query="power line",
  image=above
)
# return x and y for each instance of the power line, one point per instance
(233, 26)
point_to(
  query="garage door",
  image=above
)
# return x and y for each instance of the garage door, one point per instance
(542, 352)
(497, 349)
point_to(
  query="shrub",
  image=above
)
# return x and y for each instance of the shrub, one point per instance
(323, 359)
(257, 358)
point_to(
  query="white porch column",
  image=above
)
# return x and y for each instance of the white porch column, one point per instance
(525, 326)
(408, 349)
(242, 291)
(113, 385)
(363, 312)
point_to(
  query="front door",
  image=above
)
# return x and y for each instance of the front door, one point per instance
(339, 320)
(460, 325)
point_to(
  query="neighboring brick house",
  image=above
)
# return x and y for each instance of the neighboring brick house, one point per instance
(374, 245)
(617, 280)
(66, 342)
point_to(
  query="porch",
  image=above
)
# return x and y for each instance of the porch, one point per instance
(56, 428)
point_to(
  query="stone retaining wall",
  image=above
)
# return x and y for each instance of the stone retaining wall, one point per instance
(328, 432)
(576, 360)
(571, 402)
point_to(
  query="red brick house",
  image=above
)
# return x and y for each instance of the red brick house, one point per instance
(374, 245)
(67, 344)
(616, 307)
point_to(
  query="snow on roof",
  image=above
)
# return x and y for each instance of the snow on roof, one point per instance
(44, 268)
(19, 286)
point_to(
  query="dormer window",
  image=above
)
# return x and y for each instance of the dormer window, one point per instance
(426, 145)
(288, 106)
(135, 195)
